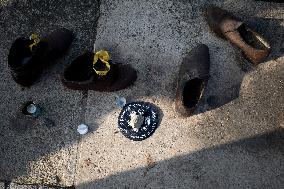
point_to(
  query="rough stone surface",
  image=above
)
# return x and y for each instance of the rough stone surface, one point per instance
(18, 186)
(2, 185)
(13, 185)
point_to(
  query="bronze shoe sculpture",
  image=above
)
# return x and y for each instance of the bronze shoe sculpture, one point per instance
(193, 77)
(254, 47)
(94, 71)
(29, 57)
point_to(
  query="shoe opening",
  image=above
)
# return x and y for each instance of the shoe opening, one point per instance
(20, 53)
(100, 65)
(253, 39)
(192, 92)
(80, 69)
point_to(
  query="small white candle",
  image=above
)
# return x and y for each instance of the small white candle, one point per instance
(120, 101)
(82, 129)
(31, 108)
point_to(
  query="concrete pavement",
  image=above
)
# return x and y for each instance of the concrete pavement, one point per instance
(237, 142)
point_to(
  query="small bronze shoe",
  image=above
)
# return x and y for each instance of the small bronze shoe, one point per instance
(193, 77)
(83, 74)
(254, 47)
(29, 57)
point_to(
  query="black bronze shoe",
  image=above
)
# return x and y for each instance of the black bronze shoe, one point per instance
(193, 77)
(29, 57)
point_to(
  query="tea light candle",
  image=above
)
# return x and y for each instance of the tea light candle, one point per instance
(31, 109)
(82, 129)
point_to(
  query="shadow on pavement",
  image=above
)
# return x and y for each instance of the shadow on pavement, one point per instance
(255, 162)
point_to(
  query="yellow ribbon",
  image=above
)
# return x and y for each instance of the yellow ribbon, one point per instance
(104, 57)
(36, 40)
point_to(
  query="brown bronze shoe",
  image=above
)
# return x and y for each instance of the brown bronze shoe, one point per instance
(254, 47)
(80, 75)
(193, 77)
(29, 57)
